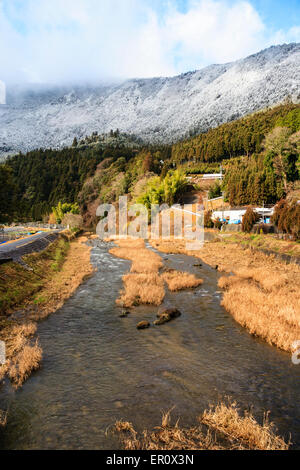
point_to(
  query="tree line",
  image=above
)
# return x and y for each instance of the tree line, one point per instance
(238, 138)
(260, 155)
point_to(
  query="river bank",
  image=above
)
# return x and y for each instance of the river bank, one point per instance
(31, 292)
(260, 291)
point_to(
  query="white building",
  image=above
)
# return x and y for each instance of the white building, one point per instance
(235, 215)
(213, 176)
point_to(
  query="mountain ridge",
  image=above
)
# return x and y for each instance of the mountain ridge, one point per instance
(161, 109)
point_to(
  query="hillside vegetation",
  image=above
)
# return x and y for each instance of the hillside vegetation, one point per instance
(259, 154)
(242, 137)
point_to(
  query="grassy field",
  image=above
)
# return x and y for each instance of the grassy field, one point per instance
(18, 285)
(264, 242)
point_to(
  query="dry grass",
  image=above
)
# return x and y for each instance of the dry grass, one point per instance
(169, 246)
(16, 337)
(76, 268)
(177, 280)
(143, 260)
(24, 356)
(268, 310)
(243, 429)
(266, 242)
(142, 289)
(143, 285)
(166, 437)
(22, 365)
(263, 295)
(3, 418)
(219, 428)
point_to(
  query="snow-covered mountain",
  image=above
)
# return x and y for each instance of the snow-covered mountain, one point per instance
(158, 109)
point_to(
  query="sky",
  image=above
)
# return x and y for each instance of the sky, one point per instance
(80, 41)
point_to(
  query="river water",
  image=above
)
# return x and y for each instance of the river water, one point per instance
(97, 367)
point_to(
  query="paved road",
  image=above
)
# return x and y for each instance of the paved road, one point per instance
(14, 229)
(18, 248)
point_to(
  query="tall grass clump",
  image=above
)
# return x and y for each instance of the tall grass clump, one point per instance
(219, 428)
(266, 302)
(177, 280)
(142, 285)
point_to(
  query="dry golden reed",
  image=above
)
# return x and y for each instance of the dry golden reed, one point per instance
(166, 437)
(22, 364)
(143, 260)
(143, 285)
(263, 293)
(271, 314)
(219, 428)
(142, 289)
(177, 280)
(22, 356)
(243, 429)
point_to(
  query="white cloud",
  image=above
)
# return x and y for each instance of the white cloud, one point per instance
(212, 31)
(75, 40)
(291, 35)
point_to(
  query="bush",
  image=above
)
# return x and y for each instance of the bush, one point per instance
(249, 220)
(72, 220)
(61, 209)
(264, 229)
(208, 223)
(215, 191)
(287, 218)
(169, 190)
(218, 224)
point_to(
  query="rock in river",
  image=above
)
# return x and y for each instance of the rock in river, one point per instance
(167, 315)
(143, 325)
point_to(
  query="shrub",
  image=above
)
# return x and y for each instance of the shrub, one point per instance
(215, 191)
(168, 190)
(249, 220)
(60, 210)
(286, 217)
(218, 224)
(264, 229)
(208, 223)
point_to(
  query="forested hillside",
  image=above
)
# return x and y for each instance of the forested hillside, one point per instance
(242, 137)
(43, 178)
(259, 154)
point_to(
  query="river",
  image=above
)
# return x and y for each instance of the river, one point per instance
(98, 368)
